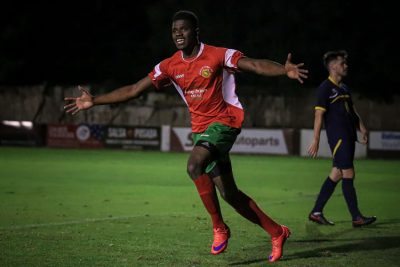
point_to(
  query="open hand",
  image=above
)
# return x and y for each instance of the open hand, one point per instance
(295, 71)
(85, 101)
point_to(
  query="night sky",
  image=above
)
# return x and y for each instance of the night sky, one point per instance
(112, 43)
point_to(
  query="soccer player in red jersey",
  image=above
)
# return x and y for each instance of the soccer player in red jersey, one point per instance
(204, 77)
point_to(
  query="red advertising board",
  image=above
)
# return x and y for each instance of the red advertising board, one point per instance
(75, 136)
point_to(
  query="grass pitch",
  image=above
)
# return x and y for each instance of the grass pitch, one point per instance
(128, 208)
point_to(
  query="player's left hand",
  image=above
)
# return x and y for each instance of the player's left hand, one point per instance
(364, 138)
(295, 71)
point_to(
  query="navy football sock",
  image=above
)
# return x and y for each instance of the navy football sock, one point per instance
(350, 196)
(324, 194)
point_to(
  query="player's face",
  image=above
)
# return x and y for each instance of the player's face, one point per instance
(340, 66)
(183, 34)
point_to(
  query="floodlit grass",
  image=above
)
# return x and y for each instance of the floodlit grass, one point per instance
(128, 208)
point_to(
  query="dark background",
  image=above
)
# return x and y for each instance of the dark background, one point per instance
(111, 43)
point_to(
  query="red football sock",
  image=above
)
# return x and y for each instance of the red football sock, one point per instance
(248, 208)
(208, 195)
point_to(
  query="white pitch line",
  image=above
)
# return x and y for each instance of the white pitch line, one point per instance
(93, 220)
(89, 220)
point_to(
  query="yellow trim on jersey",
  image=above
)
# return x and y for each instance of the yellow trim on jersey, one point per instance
(338, 97)
(336, 147)
(320, 108)
(333, 81)
(346, 105)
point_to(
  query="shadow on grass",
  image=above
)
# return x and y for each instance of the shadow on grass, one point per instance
(314, 236)
(373, 243)
(377, 224)
(313, 231)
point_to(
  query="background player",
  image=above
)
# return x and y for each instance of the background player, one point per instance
(336, 109)
(204, 77)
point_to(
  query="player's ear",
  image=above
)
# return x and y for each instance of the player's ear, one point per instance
(197, 30)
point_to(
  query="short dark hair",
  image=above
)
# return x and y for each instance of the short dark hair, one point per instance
(332, 55)
(186, 15)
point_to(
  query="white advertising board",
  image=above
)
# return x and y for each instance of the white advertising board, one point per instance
(250, 141)
(306, 136)
(384, 140)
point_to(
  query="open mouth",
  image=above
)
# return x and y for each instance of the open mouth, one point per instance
(180, 41)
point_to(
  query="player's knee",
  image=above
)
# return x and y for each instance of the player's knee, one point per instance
(335, 174)
(348, 173)
(194, 169)
(336, 177)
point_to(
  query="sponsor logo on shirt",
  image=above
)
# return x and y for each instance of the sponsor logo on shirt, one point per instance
(196, 93)
(206, 71)
(179, 76)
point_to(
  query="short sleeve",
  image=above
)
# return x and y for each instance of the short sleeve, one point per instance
(231, 59)
(322, 98)
(159, 77)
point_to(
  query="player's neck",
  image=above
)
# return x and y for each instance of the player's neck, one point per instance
(191, 51)
(336, 79)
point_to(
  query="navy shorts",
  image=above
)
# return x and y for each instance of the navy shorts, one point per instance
(343, 153)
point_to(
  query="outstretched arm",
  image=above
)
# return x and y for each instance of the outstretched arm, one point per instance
(122, 94)
(267, 67)
(314, 146)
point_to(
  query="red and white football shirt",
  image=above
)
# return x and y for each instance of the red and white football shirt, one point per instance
(206, 83)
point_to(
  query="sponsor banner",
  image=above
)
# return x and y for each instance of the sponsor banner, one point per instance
(386, 140)
(181, 139)
(75, 136)
(166, 138)
(22, 133)
(250, 141)
(306, 136)
(129, 137)
(258, 141)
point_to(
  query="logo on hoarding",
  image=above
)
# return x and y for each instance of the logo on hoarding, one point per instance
(83, 133)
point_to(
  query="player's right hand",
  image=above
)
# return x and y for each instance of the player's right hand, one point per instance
(85, 101)
(313, 149)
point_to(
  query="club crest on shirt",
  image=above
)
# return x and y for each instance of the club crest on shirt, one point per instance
(206, 71)
(335, 93)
